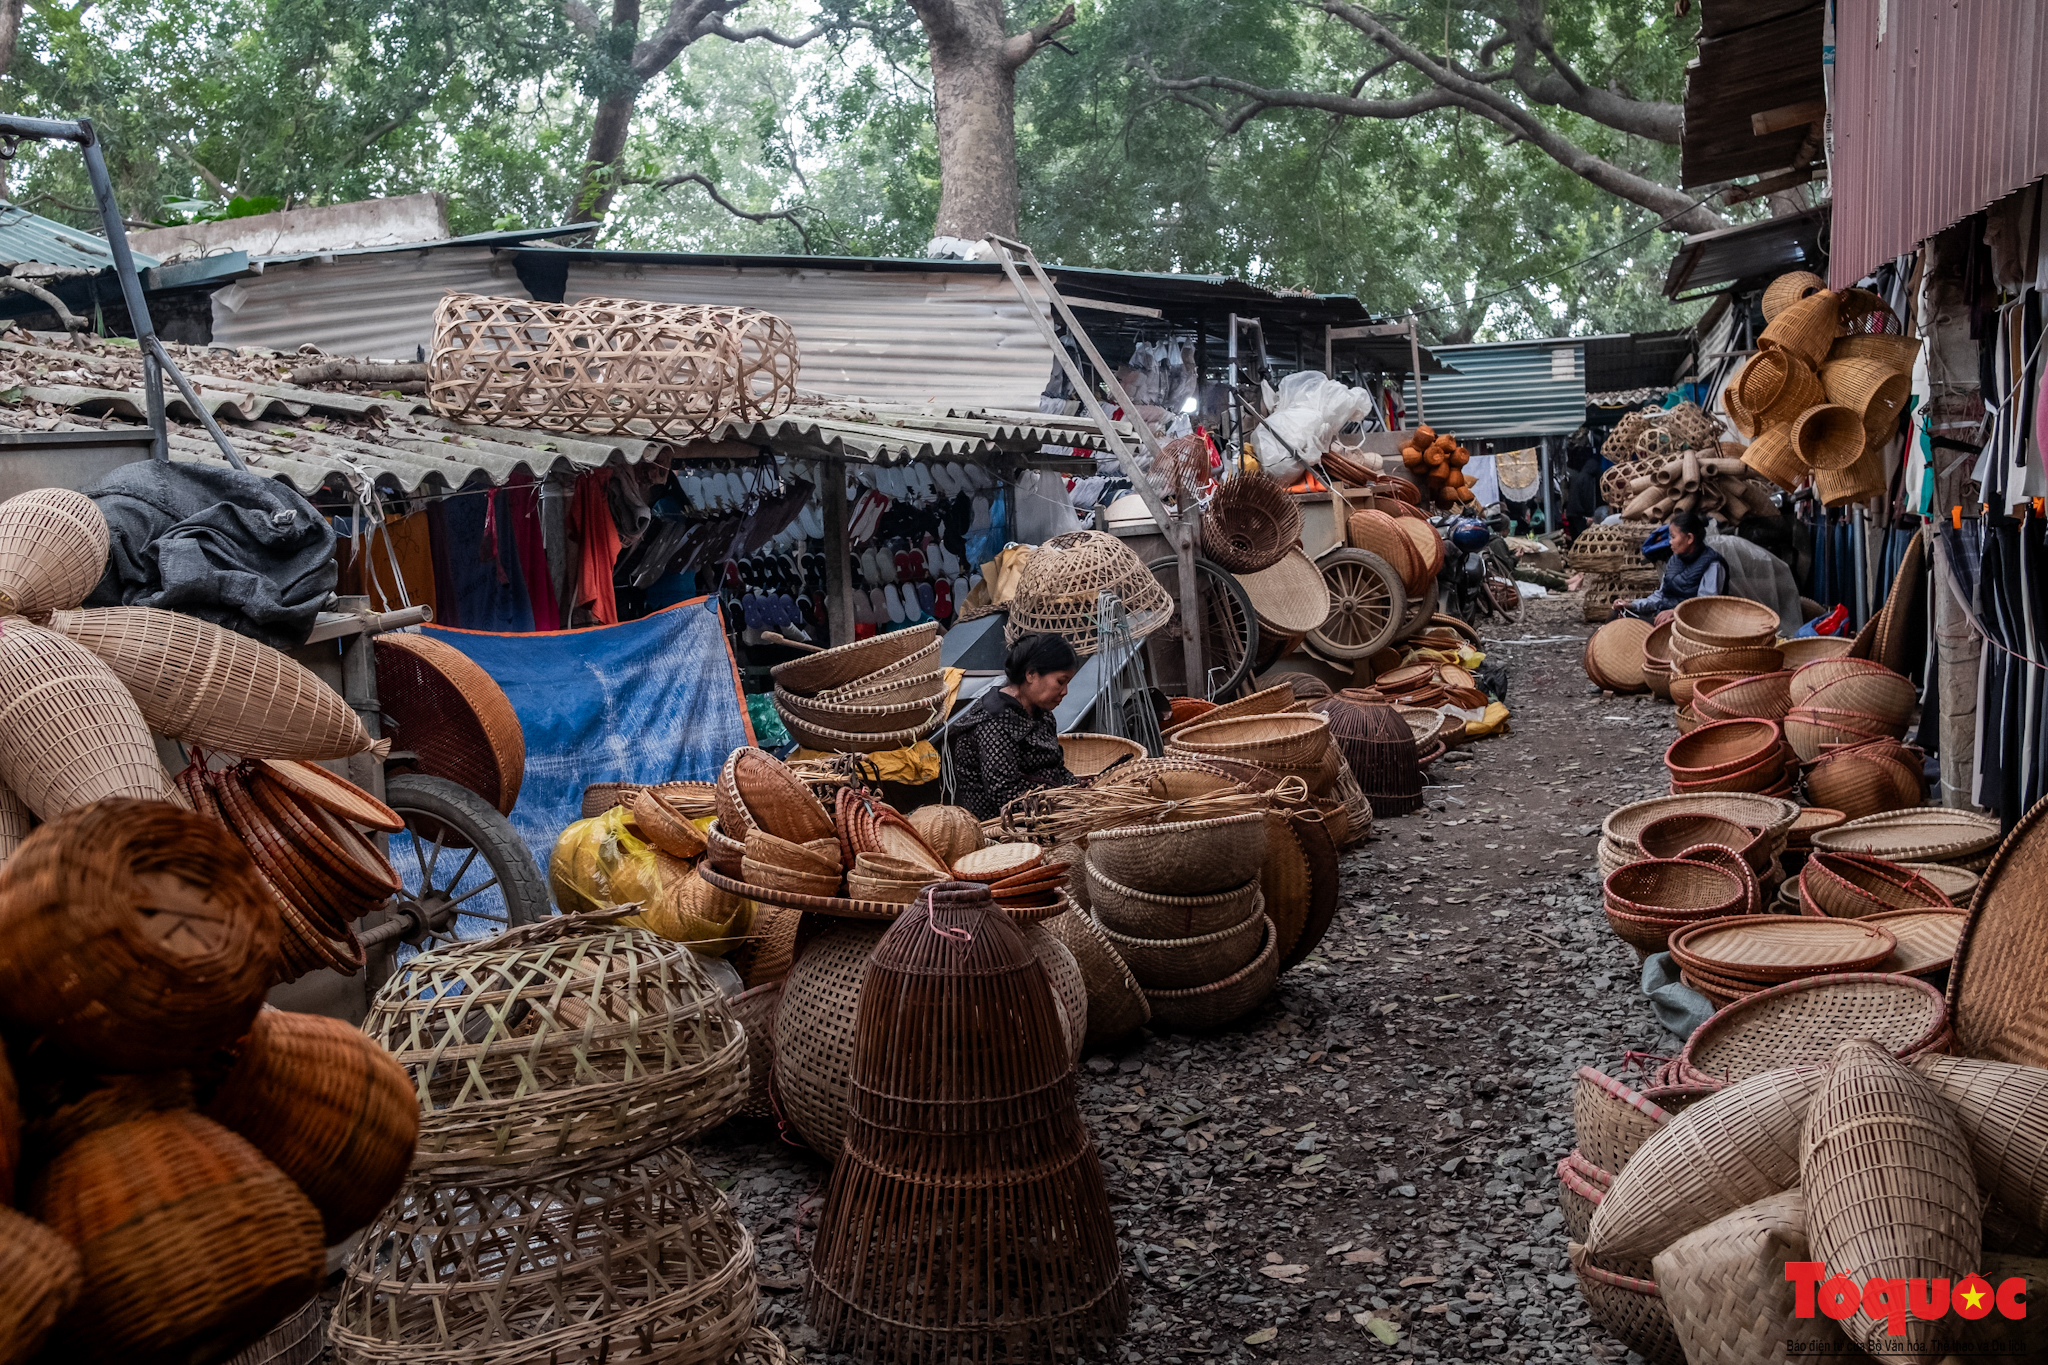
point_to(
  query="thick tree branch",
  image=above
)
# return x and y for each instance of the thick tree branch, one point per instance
(718, 28)
(72, 323)
(1024, 46)
(10, 32)
(214, 182)
(581, 17)
(791, 216)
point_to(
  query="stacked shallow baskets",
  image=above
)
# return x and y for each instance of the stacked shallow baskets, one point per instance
(1182, 905)
(882, 693)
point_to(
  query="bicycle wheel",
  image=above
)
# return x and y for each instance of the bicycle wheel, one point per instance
(465, 869)
(1367, 604)
(1229, 630)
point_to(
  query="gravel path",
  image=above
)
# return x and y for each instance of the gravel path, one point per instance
(1366, 1167)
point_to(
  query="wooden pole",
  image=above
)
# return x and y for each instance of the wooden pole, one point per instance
(838, 556)
(1415, 365)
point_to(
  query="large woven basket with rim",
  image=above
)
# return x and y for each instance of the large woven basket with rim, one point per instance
(1181, 963)
(440, 705)
(1880, 1139)
(1994, 989)
(1250, 524)
(1611, 1120)
(1788, 289)
(124, 1194)
(1725, 622)
(1614, 655)
(1290, 597)
(843, 665)
(1801, 1022)
(1728, 1295)
(1628, 1307)
(1807, 649)
(1853, 885)
(1854, 685)
(1116, 1002)
(533, 1051)
(1618, 832)
(1866, 779)
(1670, 836)
(1056, 593)
(828, 717)
(53, 550)
(1762, 697)
(584, 1266)
(1674, 888)
(1190, 858)
(212, 687)
(1221, 1003)
(1806, 327)
(1088, 754)
(1923, 834)
(70, 733)
(1146, 914)
(1292, 740)
(1721, 749)
(814, 1027)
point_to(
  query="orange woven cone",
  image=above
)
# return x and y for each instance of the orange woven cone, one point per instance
(1776, 385)
(1806, 328)
(1828, 436)
(1772, 456)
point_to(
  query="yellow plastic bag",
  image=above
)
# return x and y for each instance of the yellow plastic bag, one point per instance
(1494, 722)
(604, 863)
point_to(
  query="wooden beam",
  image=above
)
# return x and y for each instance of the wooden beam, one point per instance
(1788, 116)
(838, 554)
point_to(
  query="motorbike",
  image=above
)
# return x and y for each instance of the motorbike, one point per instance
(1477, 580)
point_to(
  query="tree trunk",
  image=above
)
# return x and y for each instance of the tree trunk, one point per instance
(10, 32)
(974, 92)
(595, 186)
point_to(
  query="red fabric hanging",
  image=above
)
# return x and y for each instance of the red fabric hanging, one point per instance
(590, 521)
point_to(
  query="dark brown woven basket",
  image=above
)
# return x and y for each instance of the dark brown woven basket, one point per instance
(1672, 888)
(128, 1196)
(967, 1218)
(137, 936)
(329, 1107)
(1380, 748)
(440, 705)
(814, 1031)
(1116, 1002)
(1219, 1004)
(1250, 524)
(43, 1279)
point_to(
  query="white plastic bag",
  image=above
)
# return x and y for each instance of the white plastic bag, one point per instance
(1311, 410)
(1044, 508)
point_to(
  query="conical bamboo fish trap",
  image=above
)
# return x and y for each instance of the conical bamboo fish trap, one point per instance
(14, 823)
(208, 686)
(53, 549)
(967, 1218)
(70, 734)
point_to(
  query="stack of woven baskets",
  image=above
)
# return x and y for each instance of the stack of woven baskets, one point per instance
(1404, 537)
(1698, 1249)
(1282, 744)
(550, 1211)
(181, 1155)
(1183, 906)
(885, 692)
(1821, 397)
(1717, 639)
(1731, 756)
(1611, 559)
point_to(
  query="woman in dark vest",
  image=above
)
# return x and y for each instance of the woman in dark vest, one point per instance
(1007, 743)
(1692, 571)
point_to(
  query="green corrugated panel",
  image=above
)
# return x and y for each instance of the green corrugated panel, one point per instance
(26, 236)
(1523, 388)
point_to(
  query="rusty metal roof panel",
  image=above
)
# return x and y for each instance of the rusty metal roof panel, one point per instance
(1940, 110)
(1513, 388)
(1753, 58)
(373, 305)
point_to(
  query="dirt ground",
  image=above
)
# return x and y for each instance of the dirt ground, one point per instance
(1366, 1167)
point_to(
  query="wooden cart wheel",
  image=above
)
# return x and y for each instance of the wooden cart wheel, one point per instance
(1230, 630)
(1367, 604)
(1420, 609)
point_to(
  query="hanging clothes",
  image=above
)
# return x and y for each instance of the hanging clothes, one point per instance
(590, 522)
(483, 561)
(522, 509)
(448, 608)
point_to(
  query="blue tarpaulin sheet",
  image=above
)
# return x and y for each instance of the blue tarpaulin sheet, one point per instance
(653, 700)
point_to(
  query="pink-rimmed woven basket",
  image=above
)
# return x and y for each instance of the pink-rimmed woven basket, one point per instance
(1721, 749)
(1800, 1023)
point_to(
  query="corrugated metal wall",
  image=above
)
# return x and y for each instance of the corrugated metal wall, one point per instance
(1523, 389)
(375, 306)
(907, 337)
(1947, 114)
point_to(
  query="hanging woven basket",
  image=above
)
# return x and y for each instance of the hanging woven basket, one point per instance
(1250, 524)
(1057, 592)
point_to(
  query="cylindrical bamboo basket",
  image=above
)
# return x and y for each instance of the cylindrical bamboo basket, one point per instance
(70, 733)
(53, 551)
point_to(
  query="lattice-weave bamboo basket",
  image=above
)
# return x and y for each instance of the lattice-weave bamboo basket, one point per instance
(53, 549)
(967, 1218)
(208, 686)
(70, 734)
(609, 365)
(642, 1263)
(556, 1040)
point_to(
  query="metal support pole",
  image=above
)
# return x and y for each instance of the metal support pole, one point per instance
(1544, 465)
(838, 554)
(1238, 435)
(1415, 366)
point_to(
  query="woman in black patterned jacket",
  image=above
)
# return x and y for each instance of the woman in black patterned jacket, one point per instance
(1007, 743)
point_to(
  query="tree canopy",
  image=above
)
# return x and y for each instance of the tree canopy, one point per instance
(1151, 134)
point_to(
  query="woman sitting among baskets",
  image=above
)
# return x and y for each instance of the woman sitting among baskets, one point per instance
(1007, 743)
(1692, 571)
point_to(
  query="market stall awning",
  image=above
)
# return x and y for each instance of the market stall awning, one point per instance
(1756, 57)
(1751, 253)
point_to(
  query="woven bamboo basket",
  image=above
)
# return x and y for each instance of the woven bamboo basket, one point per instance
(1723, 623)
(1614, 655)
(1623, 826)
(1931, 834)
(1731, 1148)
(1885, 695)
(1880, 1139)
(1674, 889)
(1927, 937)
(1737, 865)
(1865, 779)
(1800, 1022)
(1806, 327)
(1291, 597)
(845, 665)
(1265, 702)
(1183, 963)
(1772, 456)
(300, 1339)
(440, 705)
(1854, 885)
(1957, 884)
(1579, 1193)
(895, 690)
(1763, 697)
(1808, 649)
(1788, 289)
(1749, 661)
(817, 716)
(1056, 593)
(43, 1279)
(1874, 391)
(1088, 754)
(2003, 1110)
(754, 1011)
(1250, 524)
(138, 937)
(1116, 1003)
(53, 550)
(123, 1194)
(1282, 741)
(70, 734)
(328, 1107)
(1380, 745)
(1669, 836)
(773, 797)
(1994, 989)
(1610, 1120)
(1219, 1004)
(835, 741)
(644, 1260)
(1775, 385)
(609, 366)
(814, 1030)
(530, 1052)
(1721, 749)
(1730, 1301)
(208, 686)
(1754, 951)
(1193, 858)
(1629, 1307)
(904, 1266)
(1377, 533)
(1063, 972)
(1827, 437)
(950, 830)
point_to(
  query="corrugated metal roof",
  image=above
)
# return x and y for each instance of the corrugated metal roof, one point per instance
(1755, 56)
(1944, 114)
(1639, 360)
(26, 236)
(1516, 388)
(372, 304)
(1753, 252)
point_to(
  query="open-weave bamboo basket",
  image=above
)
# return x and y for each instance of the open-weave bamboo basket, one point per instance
(53, 549)
(575, 1035)
(208, 686)
(608, 365)
(1611, 1120)
(814, 1027)
(1057, 591)
(1889, 1187)
(645, 1261)
(1250, 524)
(70, 733)
(967, 1218)
(1116, 1003)
(1787, 289)
(14, 823)
(1725, 1288)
